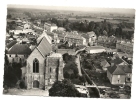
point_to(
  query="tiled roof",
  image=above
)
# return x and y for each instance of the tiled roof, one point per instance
(114, 70)
(117, 61)
(11, 44)
(44, 34)
(91, 34)
(44, 46)
(20, 49)
(125, 68)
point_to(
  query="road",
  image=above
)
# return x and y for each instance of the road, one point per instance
(78, 64)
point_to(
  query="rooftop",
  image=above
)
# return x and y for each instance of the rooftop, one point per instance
(73, 35)
(20, 49)
(125, 68)
(116, 70)
(11, 44)
(117, 61)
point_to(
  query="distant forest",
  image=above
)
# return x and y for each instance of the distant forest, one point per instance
(82, 26)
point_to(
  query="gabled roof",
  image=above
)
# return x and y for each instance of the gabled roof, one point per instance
(11, 44)
(125, 68)
(20, 49)
(91, 34)
(44, 35)
(104, 62)
(114, 70)
(75, 36)
(117, 61)
(44, 46)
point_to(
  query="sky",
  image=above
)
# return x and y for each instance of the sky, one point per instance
(71, 8)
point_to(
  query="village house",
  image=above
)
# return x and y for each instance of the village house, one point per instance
(120, 74)
(18, 53)
(90, 38)
(116, 75)
(73, 38)
(50, 27)
(128, 72)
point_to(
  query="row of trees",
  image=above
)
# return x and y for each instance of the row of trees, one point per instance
(97, 27)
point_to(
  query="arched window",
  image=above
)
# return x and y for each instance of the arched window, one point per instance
(35, 66)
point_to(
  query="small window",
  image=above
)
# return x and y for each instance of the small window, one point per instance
(35, 66)
(9, 55)
(50, 70)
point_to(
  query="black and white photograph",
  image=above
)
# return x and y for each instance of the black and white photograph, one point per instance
(57, 51)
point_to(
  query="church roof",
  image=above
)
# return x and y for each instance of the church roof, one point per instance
(44, 35)
(44, 46)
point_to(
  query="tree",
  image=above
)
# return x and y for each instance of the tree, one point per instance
(71, 69)
(64, 88)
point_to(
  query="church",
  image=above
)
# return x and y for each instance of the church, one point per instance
(44, 66)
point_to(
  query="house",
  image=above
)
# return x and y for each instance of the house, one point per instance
(43, 66)
(90, 38)
(50, 27)
(116, 75)
(72, 38)
(120, 74)
(105, 65)
(128, 72)
(18, 53)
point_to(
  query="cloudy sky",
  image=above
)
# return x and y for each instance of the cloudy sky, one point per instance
(82, 5)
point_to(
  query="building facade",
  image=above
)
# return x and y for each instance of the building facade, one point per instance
(43, 67)
(72, 38)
